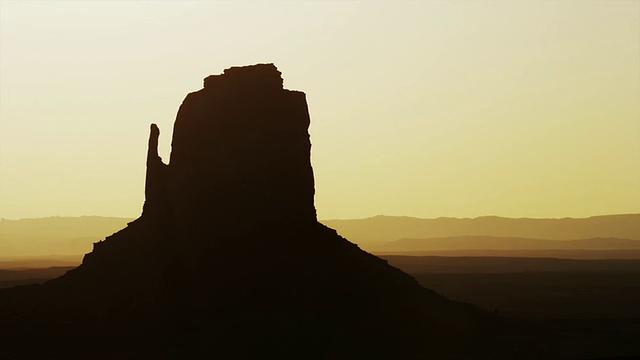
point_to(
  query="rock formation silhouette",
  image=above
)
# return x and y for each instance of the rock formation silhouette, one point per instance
(240, 153)
(228, 260)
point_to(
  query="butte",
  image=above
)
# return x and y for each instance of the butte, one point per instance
(228, 259)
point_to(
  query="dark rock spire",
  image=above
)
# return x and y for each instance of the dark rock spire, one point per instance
(240, 152)
(155, 189)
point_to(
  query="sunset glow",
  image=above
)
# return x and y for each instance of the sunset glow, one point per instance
(426, 109)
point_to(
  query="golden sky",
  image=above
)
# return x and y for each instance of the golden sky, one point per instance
(418, 108)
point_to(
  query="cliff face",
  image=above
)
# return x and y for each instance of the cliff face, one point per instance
(240, 153)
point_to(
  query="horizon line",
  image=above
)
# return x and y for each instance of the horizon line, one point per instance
(359, 218)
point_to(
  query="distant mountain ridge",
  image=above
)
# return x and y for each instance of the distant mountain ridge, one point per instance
(382, 229)
(55, 235)
(63, 225)
(507, 243)
(76, 235)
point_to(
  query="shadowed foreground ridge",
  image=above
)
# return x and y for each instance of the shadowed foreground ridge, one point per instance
(228, 259)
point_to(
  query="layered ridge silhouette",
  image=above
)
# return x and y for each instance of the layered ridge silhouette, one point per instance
(595, 237)
(383, 229)
(228, 259)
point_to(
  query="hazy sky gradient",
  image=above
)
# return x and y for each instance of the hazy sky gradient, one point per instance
(422, 108)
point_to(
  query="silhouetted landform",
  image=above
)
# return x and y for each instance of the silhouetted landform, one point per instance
(35, 238)
(382, 229)
(494, 265)
(55, 235)
(546, 295)
(540, 289)
(240, 154)
(623, 254)
(506, 243)
(228, 261)
(14, 277)
(24, 263)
